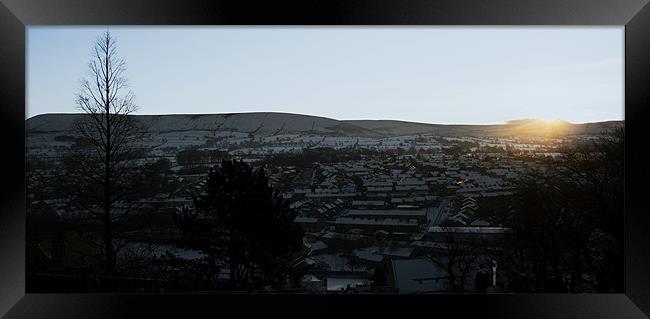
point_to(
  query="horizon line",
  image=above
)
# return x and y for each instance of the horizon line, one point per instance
(336, 119)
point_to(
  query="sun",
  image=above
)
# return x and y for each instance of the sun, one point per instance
(553, 127)
(541, 127)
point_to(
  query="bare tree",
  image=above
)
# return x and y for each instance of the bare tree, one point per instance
(109, 132)
(457, 256)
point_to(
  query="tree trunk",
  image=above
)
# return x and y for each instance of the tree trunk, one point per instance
(108, 235)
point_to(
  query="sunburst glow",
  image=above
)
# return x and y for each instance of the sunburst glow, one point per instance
(540, 127)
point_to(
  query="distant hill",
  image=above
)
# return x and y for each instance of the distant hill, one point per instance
(271, 123)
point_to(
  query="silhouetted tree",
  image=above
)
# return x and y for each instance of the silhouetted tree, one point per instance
(457, 256)
(568, 221)
(240, 222)
(110, 134)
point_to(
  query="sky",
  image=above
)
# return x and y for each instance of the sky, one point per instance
(446, 75)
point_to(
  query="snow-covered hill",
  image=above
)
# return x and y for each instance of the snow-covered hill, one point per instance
(270, 124)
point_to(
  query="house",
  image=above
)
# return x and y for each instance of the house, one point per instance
(466, 212)
(313, 284)
(375, 254)
(347, 284)
(368, 203)
(474, 233)
(313, 247)
(401, 214)
(371, 225)
(417, 276)
(421, 275)
(338, 263)
(341, 240)
(309, 224)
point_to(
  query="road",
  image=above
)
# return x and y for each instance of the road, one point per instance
(435, 215)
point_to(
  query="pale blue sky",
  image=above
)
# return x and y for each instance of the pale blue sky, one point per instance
(473, 75)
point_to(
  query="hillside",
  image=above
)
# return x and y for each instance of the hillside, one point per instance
(270, 123)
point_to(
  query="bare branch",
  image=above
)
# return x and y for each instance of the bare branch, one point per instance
(108, 129)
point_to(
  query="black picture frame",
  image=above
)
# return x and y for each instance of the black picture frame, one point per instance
(16, 15)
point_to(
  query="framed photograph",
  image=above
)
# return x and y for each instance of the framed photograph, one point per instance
(325, 158)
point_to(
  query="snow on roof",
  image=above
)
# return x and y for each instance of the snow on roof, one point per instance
(459, 215)
(376, 253)
(418, 275)
(411, 187)
(379, 222)
(318, 246)
(480, 222)
(368, 254)
(340, 236)
(308, 261)
(490, 194)
(386, 212)
(410, 181)
(396, 251)
(338, 262)
(340, 283)
(471, 229)
(367, 202)
(310, 278)
(429, 244)
(305, 219)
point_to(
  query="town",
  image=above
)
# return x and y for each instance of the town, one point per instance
(404, 213)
